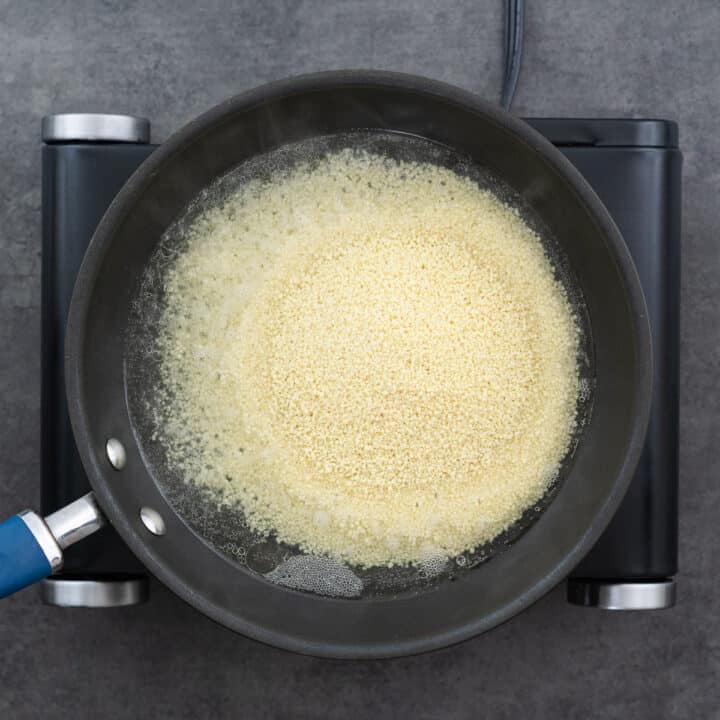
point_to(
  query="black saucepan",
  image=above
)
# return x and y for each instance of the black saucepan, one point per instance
(379, 625)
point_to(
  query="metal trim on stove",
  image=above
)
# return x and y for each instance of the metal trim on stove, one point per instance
(67, 592)
(654, 595)
(95, 127)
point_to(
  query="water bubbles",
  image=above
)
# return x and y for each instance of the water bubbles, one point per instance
(234, 551)
(584, 390)
(433, 562)
(318, 574)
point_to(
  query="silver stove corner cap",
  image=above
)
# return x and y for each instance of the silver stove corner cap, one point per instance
(94, 593)
(95, 127)
(605, 595)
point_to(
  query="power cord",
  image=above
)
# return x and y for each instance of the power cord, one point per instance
(514, 21)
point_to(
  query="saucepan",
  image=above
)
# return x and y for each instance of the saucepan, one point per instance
(185, 549)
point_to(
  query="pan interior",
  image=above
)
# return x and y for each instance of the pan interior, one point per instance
(223, 526)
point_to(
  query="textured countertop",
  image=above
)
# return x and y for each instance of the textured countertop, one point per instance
(170, 60)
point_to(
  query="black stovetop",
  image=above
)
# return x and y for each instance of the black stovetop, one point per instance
(633, 165)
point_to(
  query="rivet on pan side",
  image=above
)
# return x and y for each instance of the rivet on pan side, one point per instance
(116, 453)
(152, 520)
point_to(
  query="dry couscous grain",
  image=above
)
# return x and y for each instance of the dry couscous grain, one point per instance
(373, 358)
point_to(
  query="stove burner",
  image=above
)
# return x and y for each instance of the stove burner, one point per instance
(633, 165)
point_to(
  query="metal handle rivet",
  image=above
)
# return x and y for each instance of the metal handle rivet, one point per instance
(116, 454)
(152, 520)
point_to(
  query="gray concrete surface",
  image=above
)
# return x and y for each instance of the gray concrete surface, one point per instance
(171, 59)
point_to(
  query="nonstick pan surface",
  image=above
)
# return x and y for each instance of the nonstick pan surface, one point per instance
(412, 616)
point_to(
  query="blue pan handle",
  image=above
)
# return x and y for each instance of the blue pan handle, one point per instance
(31, 547)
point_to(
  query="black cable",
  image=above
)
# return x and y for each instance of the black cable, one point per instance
(509, 28)
(514, 21)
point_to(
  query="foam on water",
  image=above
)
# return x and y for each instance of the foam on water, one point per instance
(317, 574)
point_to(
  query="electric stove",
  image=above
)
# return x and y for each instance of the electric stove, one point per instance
(633, 165)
